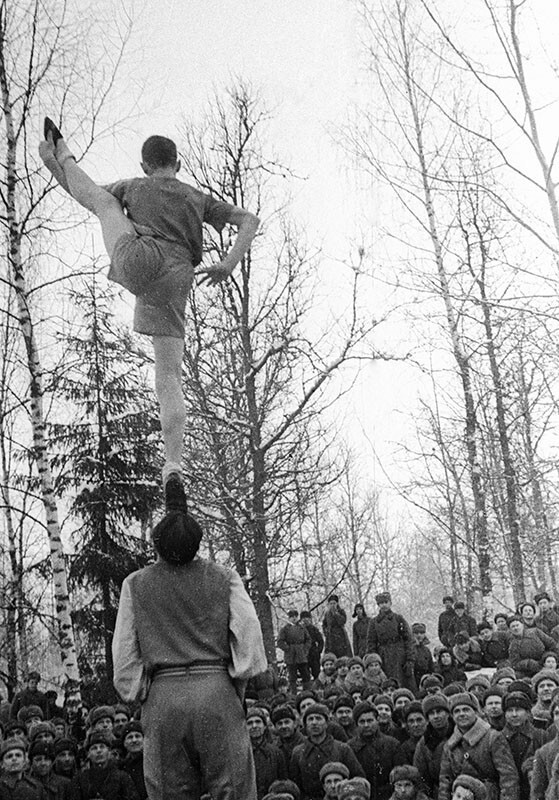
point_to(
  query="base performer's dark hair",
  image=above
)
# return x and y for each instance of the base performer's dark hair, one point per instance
(177, 538)
(158, 151)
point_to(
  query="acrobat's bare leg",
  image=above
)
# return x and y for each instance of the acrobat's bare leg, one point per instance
(168, 351)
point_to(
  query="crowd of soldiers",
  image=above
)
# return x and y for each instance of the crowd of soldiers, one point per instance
(384, 716)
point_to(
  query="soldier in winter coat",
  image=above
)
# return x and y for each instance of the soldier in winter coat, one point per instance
(390, 636)
(360, 630)
(295, 641)
(336, 639)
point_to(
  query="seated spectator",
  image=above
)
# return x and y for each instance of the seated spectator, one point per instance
(478, 685)
(522, 737)
(429, 750)
(65, 758)
(501, 621)
(132, 737)
(544, 683)
(384, 706)
(41, 760)
(377, 753)
(101, 720)
(308, 759)
(465, 787)
(547, 618)
(14, 782)
(59, 726)
(494, 645)
(331, 775)
(466, 651)
(488, 755)
(342, 671)
(492, 706)
(549, 661)
(430, 684)
(354, 789)
(526, 647)
(402, 697)
(415, 725)
(29, 716)
(285, 726)
(100, 774)
(374, 675)
(121, 719)
(355, 679)
(269, 761)
(343, 714)
(328, 674)
(406, 784)
(503, 677)
(448, 669)
(545, 757)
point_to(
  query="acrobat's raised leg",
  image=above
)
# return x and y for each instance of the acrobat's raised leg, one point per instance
(58, 158)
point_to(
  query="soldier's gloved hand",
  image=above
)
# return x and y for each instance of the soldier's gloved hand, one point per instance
(408, 669)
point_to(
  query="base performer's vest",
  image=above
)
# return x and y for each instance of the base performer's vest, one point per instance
(181, 613)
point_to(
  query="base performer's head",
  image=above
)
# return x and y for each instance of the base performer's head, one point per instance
(177, 537)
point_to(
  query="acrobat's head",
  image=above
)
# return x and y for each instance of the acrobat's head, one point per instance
(177, 537)
(160, 154)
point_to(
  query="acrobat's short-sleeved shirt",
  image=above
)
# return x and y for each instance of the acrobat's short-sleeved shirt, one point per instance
(169, 209)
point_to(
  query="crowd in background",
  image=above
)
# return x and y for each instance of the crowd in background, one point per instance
(382, 716)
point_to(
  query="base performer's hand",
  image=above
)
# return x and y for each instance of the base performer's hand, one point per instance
(213, 275)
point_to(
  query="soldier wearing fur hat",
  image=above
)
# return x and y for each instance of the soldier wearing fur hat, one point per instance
(336, 639)
(467, 788)
(331, 775)
(547, 618)
(133, 762)
(41, 760)
(30, 695)
(295, 641)
(415, 723)
(406, 784)
(477, 750)
(308, 759)
(526, 647)
(545, 761)
(522, 737)
(377, 752)
(186, 641)
(423, 658)
(269, 761)
(288, 735)
(390, 636)
(429, 749)
(15, 784)
(462, 622)
(101, 778)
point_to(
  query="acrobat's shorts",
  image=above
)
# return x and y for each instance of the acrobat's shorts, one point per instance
(160, 275)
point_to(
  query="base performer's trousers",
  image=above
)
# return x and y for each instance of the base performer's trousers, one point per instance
(196, 738)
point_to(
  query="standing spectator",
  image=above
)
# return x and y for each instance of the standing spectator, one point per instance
(378, 754)
(446, 621)
(545, 684)
(390, 637)
(478, 750)
(527, 611)
(547, 618)
(29, 696)
(295, 641)
(65, 758)
(317, 643)
(361, 630)
(320, 748)
(268, 759)
(501, 621)
(343, 714)
(462, 622)
(429, 750)
(336, 639)
(41, 760)
(423, 659)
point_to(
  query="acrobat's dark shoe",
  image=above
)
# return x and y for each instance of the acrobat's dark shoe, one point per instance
(51, 128)
(175, 496)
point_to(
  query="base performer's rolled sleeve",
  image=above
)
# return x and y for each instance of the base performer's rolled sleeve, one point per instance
(130, 679)
(248, 657)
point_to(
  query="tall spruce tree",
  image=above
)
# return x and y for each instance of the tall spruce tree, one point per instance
(108, 454)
